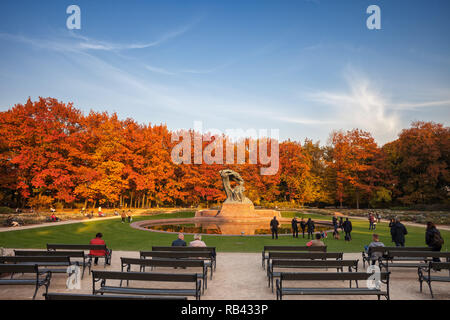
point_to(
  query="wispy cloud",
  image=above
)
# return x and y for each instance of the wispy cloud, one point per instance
(362, 106)
(418, 105)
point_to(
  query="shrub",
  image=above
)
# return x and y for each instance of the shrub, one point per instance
(6, 210)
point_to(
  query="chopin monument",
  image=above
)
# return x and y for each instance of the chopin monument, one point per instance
(237, 207)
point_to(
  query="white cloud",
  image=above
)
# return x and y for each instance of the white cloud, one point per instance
(361, 106)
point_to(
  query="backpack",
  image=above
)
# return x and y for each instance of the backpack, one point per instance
(437, 239)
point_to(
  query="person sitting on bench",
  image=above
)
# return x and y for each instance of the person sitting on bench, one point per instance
(180, 241)
(197, 241)
(317, 242)
(97, 253)
(374, 256)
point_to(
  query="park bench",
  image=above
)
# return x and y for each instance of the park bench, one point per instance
(304, 256)
(54, 264)
(425, 274)
(384, 251)
(71, 254)
(410, 259)
(79, 296)
(42, 278)
(326, 277)
(84, 247)
(169, 263)
(290, 248)
(352, 265)
(189, 255)
(193, 249)
(103, 276)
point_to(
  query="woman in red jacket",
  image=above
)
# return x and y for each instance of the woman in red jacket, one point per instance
(98, 253)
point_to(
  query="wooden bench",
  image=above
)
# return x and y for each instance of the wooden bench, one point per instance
(71, 254)
(290, 248)
(425, 274)
(84, 247)
(190, 255)
(351, 265)
(79, 296)
(54, 264)
(192, 249)
(170, 263)
(385, 250)
(42, 278)
(327, 290)
(304, 256)
(103, 276)
(410, 259)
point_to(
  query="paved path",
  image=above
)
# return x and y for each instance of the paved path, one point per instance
(240, 276)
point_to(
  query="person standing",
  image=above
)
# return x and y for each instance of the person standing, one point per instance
(433, 239)
(391, 224)
(303, 226)
(274, 227)
(371, 220)
(335, 222)
(310, 228)
(341, 223)
(294, 224)
(123, 215)
(398, 232)
(129, 216)
(347, 225)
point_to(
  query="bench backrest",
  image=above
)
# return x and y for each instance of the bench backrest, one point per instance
(305, 255)
(314, 263)
(76, 246)
(177, 254)
(329, 276)
(418, 254)
(144, 276)
(440, 265)
(72, 254)
(18, 268)
(162, 262)
(176, 248)
(37, 259)
(74, 296)
(296, 248)
(402, 249)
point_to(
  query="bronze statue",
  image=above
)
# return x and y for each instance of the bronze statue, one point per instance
(236, 194)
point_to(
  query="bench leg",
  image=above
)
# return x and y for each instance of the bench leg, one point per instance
(431, 291)
(36, 290)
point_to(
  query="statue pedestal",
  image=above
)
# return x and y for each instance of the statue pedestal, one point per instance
(238, 211)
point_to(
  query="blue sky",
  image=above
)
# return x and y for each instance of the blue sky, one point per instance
(305, 67)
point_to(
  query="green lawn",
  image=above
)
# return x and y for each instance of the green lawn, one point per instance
(120, 236)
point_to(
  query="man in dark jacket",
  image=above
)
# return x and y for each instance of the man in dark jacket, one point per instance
(274, 227)
(294, 224)
(398, 232)
(303, 226)
(180, 241)
(310, 228)
(433, 239)
(347, 226)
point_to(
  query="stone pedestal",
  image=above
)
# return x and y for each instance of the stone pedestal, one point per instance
(238, 211)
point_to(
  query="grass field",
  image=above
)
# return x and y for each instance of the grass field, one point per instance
(120, 236)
